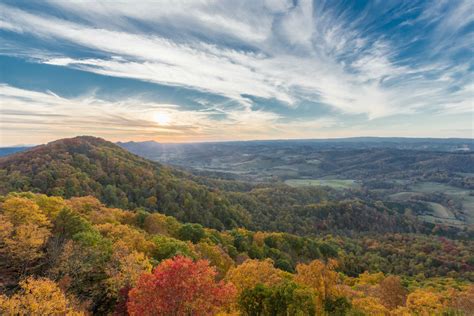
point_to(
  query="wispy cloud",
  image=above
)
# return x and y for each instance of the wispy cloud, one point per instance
(47, 113)
(288, 51)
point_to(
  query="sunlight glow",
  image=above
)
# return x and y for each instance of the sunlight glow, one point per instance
(161, 118)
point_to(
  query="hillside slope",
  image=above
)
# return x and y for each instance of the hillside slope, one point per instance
(87, 165)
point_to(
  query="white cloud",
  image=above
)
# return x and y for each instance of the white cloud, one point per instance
(46, 113)
(44, 116)
(298, 52)
(238, 19)
(297, 25)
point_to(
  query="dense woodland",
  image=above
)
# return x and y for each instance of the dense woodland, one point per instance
(89, 228)
(77, 256)
(91, 166)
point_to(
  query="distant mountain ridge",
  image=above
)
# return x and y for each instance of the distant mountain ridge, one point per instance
(143, 147)
(441, 144)
(4, 151)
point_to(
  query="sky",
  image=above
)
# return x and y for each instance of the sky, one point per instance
(191, 71)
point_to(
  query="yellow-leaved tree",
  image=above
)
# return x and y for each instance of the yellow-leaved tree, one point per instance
(50, 205)
(25, 230)
(22, 211)
(37, 297)
(369, 306)
(321, 277)
(134, 239)
(157, 223)
(125, 267)
(424, 302)
(216, 256)
(253, 272)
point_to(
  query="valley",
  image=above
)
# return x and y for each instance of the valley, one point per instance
(431, 177)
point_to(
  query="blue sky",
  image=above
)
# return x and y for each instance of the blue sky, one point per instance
(178, 71)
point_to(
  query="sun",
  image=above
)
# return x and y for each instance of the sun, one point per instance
(161, 118)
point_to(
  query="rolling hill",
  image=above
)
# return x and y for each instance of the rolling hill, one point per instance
(358, 158)
(87, 165)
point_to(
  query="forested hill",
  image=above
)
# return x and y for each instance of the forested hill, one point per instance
(87, 165)
(84, 166)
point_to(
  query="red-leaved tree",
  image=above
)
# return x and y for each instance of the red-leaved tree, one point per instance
(180, 286)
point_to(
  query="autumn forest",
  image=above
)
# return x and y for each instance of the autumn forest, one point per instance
(88, 228)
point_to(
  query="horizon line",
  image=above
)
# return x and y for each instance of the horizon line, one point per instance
(251, 140)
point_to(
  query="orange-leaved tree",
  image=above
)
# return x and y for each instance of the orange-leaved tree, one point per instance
(180, 286)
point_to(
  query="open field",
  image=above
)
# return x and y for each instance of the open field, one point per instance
(457, 194)
(433, 187)
(441, 211)
(333, 183)
(403, 196)
(445, 221)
